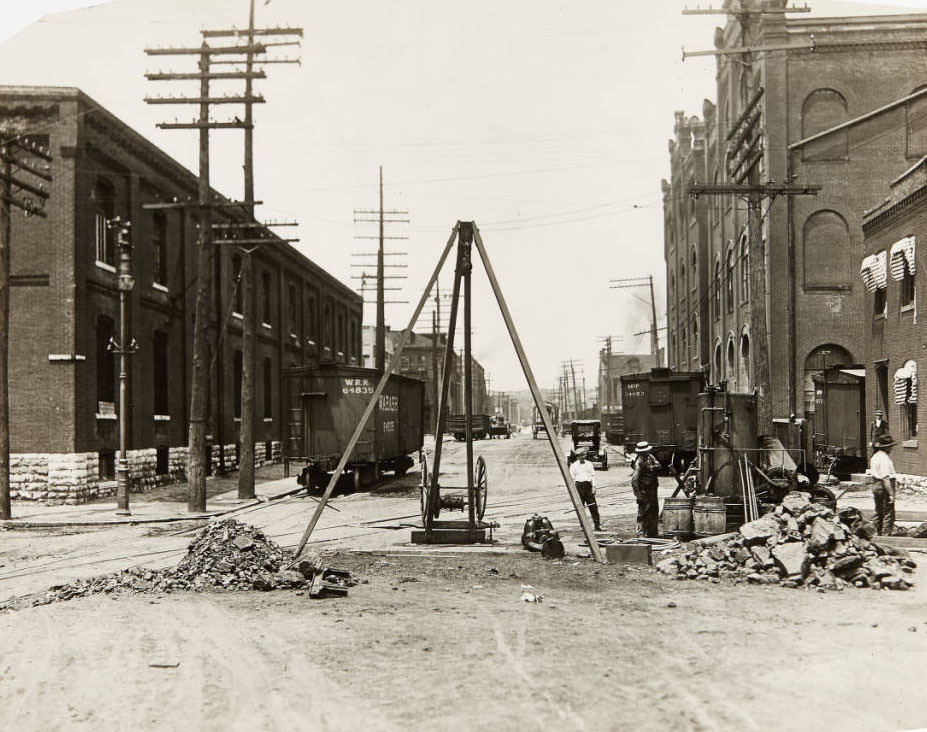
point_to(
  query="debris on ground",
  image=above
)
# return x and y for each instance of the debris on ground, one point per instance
(800, 544)
(223, 556)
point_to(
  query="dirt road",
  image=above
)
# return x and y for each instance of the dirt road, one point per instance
(445, 641)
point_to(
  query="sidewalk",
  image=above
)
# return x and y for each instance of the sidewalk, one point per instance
(164, 504)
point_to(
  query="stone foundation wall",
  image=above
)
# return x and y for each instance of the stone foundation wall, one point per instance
(74, 478)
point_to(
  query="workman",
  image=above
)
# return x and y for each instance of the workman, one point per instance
(878, 427)
(584, 477)
(644, 484)
(882, 470)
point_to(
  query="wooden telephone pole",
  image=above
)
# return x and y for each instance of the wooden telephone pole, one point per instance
(631, 282)
(21, 159)
(246, 430)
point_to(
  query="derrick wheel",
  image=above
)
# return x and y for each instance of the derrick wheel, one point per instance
(479, 488)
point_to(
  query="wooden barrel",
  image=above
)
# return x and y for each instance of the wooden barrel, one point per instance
(709, 515)
(677, 516)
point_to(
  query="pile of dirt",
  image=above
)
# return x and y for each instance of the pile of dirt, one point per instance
(227, 555)
(800, 544)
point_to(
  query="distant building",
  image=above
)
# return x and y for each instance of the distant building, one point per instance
(889, 272)
(369, 346)
(817, 312)
(612, 367)
(65, 309)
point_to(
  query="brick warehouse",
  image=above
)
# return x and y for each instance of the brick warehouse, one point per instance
(890, 271)
(816, 305)
(64, 309)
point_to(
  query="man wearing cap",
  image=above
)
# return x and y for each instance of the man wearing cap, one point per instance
(583, 474)
(882, 470)
(878, 427)
(644, 483)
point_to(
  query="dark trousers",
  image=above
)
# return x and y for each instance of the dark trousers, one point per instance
(584, 488)
(648, 512)
(884, 510)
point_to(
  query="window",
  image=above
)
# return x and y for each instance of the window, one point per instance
(106, 365)
(716, 290)
(744, 373)
(291, 309)
(729, 281)
(827, 251)
(744, 268)
(106, 464)
(162, 461)
(237, 369)
(731, 364)
(236, 282)
(717, 362)
(822, 110)
(901, 265)
(881, 373)
(695, 335)
(916, 125)
(159, 246)
(103, 198)
(266, 310)
(904, 389)
(327, 326)
(339, 334)
(311, 327)
(694, 268)
(268, 389)
(161, 402)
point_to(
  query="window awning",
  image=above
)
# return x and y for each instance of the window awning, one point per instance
(904, 386)
(901, 254)
(873, 272)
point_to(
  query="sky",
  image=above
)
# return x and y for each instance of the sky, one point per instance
(544, 121)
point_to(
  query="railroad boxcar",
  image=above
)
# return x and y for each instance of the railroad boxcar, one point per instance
(457, 426)
(326, 404)
(661, 407)
(613, 424)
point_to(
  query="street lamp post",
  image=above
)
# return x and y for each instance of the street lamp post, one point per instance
(125, 347)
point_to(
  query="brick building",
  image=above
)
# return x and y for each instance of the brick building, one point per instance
(889, 271)
(839, 70)
(65, 309)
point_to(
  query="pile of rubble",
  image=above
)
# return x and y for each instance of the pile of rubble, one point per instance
(800, 544)
(227, 555)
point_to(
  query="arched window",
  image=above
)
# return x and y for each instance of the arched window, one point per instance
(729, 280)
(694, 265)
(916, 125)
(744, 374)
(716, 289)
(731, 356)
(827, 251)
(717, 362)
(744, 268)
(822, 110)
(695, 335)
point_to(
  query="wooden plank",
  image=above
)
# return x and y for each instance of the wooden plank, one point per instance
(315, 587)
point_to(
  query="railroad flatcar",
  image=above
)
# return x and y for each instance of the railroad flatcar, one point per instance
(326, 404)
(661, 407)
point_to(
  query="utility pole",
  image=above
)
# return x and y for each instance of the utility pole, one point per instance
(17, 153)
(246, 427)
(123, 348)
(381, 301)
(199, 383)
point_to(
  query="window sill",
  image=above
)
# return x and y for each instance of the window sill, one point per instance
(910, 443)
(102, 415)
(267, 325)
(907, 308)
(879, 316)
(162, 418)
(104, 266)
(237, 316)
(159, 287)
(268, 420)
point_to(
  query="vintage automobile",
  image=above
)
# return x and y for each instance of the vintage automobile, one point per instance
(587, 439)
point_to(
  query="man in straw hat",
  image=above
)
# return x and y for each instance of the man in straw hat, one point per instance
(882, 470)
(644, 483)
(584, 478)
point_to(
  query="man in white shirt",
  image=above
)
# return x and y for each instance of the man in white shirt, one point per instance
(584, 477)
(882, 470)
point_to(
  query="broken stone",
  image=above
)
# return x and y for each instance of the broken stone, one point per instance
(791, 558)
(757, 532)
(821, 535)
(669, 565)
(796, 503)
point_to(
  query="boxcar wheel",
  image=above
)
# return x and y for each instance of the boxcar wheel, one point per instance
(479, 488)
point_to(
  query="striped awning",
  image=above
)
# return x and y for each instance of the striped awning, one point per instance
(873, 272)
(901, 254)
(904, 386)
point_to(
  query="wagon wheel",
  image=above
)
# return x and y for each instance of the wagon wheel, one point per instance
(479, 488)
(425, 489)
